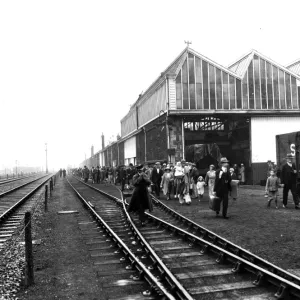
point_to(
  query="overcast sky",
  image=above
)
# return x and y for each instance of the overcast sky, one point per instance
(69, 70)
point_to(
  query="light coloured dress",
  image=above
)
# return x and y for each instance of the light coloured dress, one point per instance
(165, 182)
(210, 179)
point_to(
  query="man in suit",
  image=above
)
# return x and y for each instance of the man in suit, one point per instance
(222, 185)
(156, 176)
(289, 181)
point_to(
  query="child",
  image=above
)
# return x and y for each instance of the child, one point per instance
(200, 187)
(272, 186)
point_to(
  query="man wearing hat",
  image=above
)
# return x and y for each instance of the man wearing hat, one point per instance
(288, 179)
(222, 185)
(156, 176)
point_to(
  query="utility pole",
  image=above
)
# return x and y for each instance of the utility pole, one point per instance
(16, 168)
(46, 159)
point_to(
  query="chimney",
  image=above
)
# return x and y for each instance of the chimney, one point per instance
(92, 151)
(102, 139)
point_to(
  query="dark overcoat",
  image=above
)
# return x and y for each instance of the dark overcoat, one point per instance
(140, 198)
(288, 176)
(222, 185)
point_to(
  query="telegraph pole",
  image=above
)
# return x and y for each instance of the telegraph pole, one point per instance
(16, 168)
(46, 159)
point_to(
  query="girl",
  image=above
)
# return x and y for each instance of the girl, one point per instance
(179, 176)
(166, 182)
(200, 187)
(210, 179)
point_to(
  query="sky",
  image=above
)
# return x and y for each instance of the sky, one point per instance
(69, 70)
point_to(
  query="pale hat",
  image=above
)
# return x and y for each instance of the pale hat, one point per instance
(224, 160)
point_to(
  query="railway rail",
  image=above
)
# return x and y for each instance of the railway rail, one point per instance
(4, 181)
(204, 265)
(116, 224)
(13, 205)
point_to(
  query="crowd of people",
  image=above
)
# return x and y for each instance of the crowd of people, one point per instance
(183, 182)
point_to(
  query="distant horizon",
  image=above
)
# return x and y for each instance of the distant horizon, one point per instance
(70, 70)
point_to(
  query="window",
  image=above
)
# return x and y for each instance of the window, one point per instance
(205, 124)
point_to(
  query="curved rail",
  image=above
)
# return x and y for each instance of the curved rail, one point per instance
(135, 262)
(284, 286)
(229, 246)
(227, 251)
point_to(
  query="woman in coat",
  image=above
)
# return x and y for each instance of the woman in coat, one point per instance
(167, 182)
(210, 179)
(140, 200)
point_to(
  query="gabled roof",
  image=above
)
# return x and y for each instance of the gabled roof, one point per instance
(241, 66)
(171, 69)
(213, 63)
(294, 66)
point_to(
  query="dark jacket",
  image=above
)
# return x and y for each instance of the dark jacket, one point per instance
(140, 199)
(222, 185)
(287, 174)
(122, 174)
(156, 176)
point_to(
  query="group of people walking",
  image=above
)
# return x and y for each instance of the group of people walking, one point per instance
(62, 172)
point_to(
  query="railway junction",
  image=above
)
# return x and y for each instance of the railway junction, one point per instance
(86, 246)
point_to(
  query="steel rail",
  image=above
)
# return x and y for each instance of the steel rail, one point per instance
(229, 246)
(20, 186)
(20, 202)
(135, 262)
(284, 286)
(15, 179)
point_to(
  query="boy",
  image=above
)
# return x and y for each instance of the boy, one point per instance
(272, 186)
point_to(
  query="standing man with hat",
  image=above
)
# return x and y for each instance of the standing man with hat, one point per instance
(156, 176)
(222, 185)
(288, 179)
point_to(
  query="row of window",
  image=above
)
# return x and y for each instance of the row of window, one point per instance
(201, 85)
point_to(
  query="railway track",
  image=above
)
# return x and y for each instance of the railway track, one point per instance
(4, 181)
(13, 205)
(205, 265)
(7, 185)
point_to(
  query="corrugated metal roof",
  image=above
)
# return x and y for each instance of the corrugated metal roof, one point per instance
(240, 67)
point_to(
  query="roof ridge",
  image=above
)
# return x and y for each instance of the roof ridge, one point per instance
(240, 59)
(214, 63)
(293, 63)
(276, 64)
